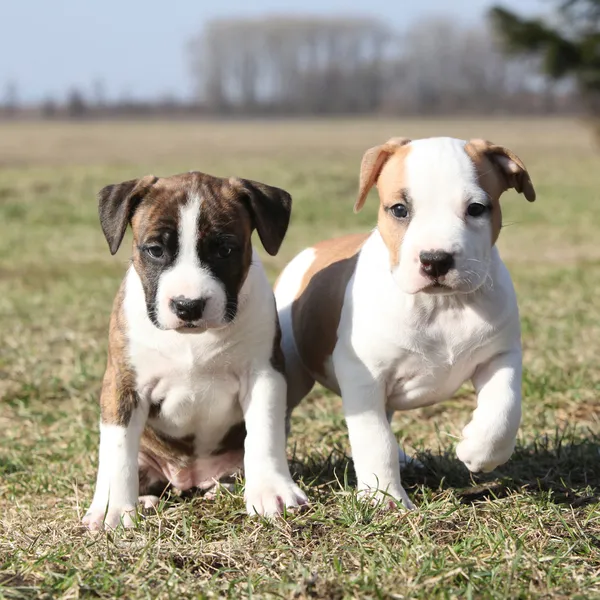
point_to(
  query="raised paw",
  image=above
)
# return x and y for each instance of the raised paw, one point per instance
(98, 518)
(269, 495)
(480, 455)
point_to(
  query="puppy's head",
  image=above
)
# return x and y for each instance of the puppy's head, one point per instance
(439, 213)
(192, 241)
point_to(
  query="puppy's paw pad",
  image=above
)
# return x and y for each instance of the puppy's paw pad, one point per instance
(272, 495)
(97, 519)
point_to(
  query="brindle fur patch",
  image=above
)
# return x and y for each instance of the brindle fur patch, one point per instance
(179, 451)
(118, 398)
(230, 210)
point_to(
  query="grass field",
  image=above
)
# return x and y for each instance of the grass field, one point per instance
(529, 529)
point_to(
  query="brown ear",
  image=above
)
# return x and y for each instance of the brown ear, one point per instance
(509, 165)
(116, 205)
(270, 209)
(371, 165)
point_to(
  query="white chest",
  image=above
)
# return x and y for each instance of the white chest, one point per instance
(190, 387)
(429, 362)
(192, 383)
(424, 347)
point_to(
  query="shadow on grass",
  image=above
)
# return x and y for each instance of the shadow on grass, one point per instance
(565, 468)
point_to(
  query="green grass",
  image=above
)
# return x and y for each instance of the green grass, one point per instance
(531, 529)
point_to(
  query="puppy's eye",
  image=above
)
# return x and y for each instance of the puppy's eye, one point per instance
(399, 211)
(224, 251)
(155, 251)
(476, 209)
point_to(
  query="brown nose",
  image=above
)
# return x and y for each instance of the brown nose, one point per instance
(188, 309)
(436, 263)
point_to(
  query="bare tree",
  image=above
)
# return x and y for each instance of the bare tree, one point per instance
(446, 68)
(11, 99)
(76, 105)
(291, 64)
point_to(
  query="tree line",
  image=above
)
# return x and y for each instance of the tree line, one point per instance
(285, 66)
(329, 65)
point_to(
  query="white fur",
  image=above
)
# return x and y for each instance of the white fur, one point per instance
(442, 180)
(209, 382)
(400, 348)
(188, 278)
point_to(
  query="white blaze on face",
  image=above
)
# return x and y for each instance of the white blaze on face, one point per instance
(442, 180)
(188, 278)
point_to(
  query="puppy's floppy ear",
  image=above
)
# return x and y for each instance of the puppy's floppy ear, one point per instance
(371, 165)
(269, 209)
(116, 205)
(510, 167)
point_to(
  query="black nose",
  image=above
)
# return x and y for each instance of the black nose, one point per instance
(188, 309)
(436, 263)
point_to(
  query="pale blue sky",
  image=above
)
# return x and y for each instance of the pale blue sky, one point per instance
(137, 46)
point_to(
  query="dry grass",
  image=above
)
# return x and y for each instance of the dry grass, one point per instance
(530, 529)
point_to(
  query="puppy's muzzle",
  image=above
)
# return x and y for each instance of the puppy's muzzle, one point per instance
(187, 309)
(436, 263)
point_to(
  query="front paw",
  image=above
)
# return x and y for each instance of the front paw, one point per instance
(269, 495)
(480, 454)
(99, 517)
(388, 499)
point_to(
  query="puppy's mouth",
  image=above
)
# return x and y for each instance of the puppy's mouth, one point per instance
(189, 327)
(199, 326)
(193, 327)
(437, 287)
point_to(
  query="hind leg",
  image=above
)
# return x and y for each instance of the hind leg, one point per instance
(299, 380)
(152, 483)
(299, 384)
(404, 458)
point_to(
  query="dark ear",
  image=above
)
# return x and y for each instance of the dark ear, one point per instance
(371, 165)
(509, 165)
(116, 205)
(270, 210)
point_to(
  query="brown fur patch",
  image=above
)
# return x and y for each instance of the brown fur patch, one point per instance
(372, 162)
(491, 182)
(491, 162)
(318, 305)
(391, 186)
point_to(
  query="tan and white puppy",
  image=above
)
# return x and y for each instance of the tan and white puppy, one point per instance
(402, 316)
(194, 384)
